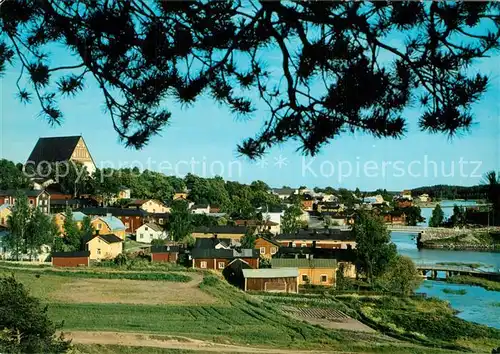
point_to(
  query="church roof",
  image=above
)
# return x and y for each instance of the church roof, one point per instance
(53, 149)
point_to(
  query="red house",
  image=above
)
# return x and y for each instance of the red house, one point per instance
(218, 259)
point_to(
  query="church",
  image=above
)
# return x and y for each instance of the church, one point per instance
(61, 149)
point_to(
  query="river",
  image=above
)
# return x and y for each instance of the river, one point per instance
(477, 305)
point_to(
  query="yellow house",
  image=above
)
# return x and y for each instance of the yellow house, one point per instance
(104, 247)
(149, 205)
(232, 232)
(5, 212)
(109, 225)
(77, 218)
(311, 271)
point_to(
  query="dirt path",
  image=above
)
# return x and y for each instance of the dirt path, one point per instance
(171, 342)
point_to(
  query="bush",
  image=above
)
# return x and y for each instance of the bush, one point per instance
(26, 328)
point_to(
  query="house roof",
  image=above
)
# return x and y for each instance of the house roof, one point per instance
(113, 222)
(271, 273)
(54, 149)
(71, 254)
(303, 263)
(109, 238)
(200, 206)
(255, 223)
(223, 253)
(114, 212)
(211, 242)
(77, 215)
(27, 192)
(164, 249)
(153, 226)
(221, 230)
(316, 235)
(5, 206)
(284, 191)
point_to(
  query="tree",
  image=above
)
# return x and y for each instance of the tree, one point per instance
(26, 327)
(12, 177)
(264, 262)
(492, 181)
(86, 231)
(73, 177)
(141, 54)
(72, 234)
(248, 240)
(401, 276)
(105, 184)
(290, 222)
(374, 249)
(413, 215)
(459, 217)
(437, 217)
(158, 242)
(180, 221)
(18, 226)
(39, 232)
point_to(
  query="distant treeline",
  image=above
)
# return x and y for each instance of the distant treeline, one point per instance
(443, 191)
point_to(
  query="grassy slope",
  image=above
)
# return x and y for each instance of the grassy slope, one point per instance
(238, 319)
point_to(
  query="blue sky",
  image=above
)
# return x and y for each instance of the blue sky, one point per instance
(202, 139)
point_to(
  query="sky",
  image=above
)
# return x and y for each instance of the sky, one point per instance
(202, 139)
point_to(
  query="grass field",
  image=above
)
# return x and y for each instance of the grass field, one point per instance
(205, 308)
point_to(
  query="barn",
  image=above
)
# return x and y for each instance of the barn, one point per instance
(272, 280)
(70, 259)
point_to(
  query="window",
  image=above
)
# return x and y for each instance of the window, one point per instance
(126, 217)
(146, 228)
(221, 265)
(274, 250)
(99, 226)
(203, 265)
(262, 250)
(151, 235)
(141, 235)
(305, 277)
(31, 201)
(323, 278)
(127, 225)
(98, 251)
(304, 245)
(160, 221)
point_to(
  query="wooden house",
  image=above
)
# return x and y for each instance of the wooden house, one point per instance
(109, 224)
(327, 238)
(71, 259)
(36, 198)
(311, 271)
(233, 232)
(149, 205)
(218, 259)
(104, 246)
(267, 247)
(271, 280)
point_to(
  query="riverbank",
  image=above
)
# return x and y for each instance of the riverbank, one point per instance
(464, 239)
(468, 280)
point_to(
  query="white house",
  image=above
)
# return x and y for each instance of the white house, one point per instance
(200, 209)
(424, 197)
(149, 232)
(284, 193)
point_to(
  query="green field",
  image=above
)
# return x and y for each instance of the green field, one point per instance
(209, 309)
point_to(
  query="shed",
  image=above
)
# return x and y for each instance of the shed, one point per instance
(165, 254)
(70, 259)
(272, 280)
(233, 272)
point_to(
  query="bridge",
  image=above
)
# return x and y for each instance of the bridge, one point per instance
(451, 270)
